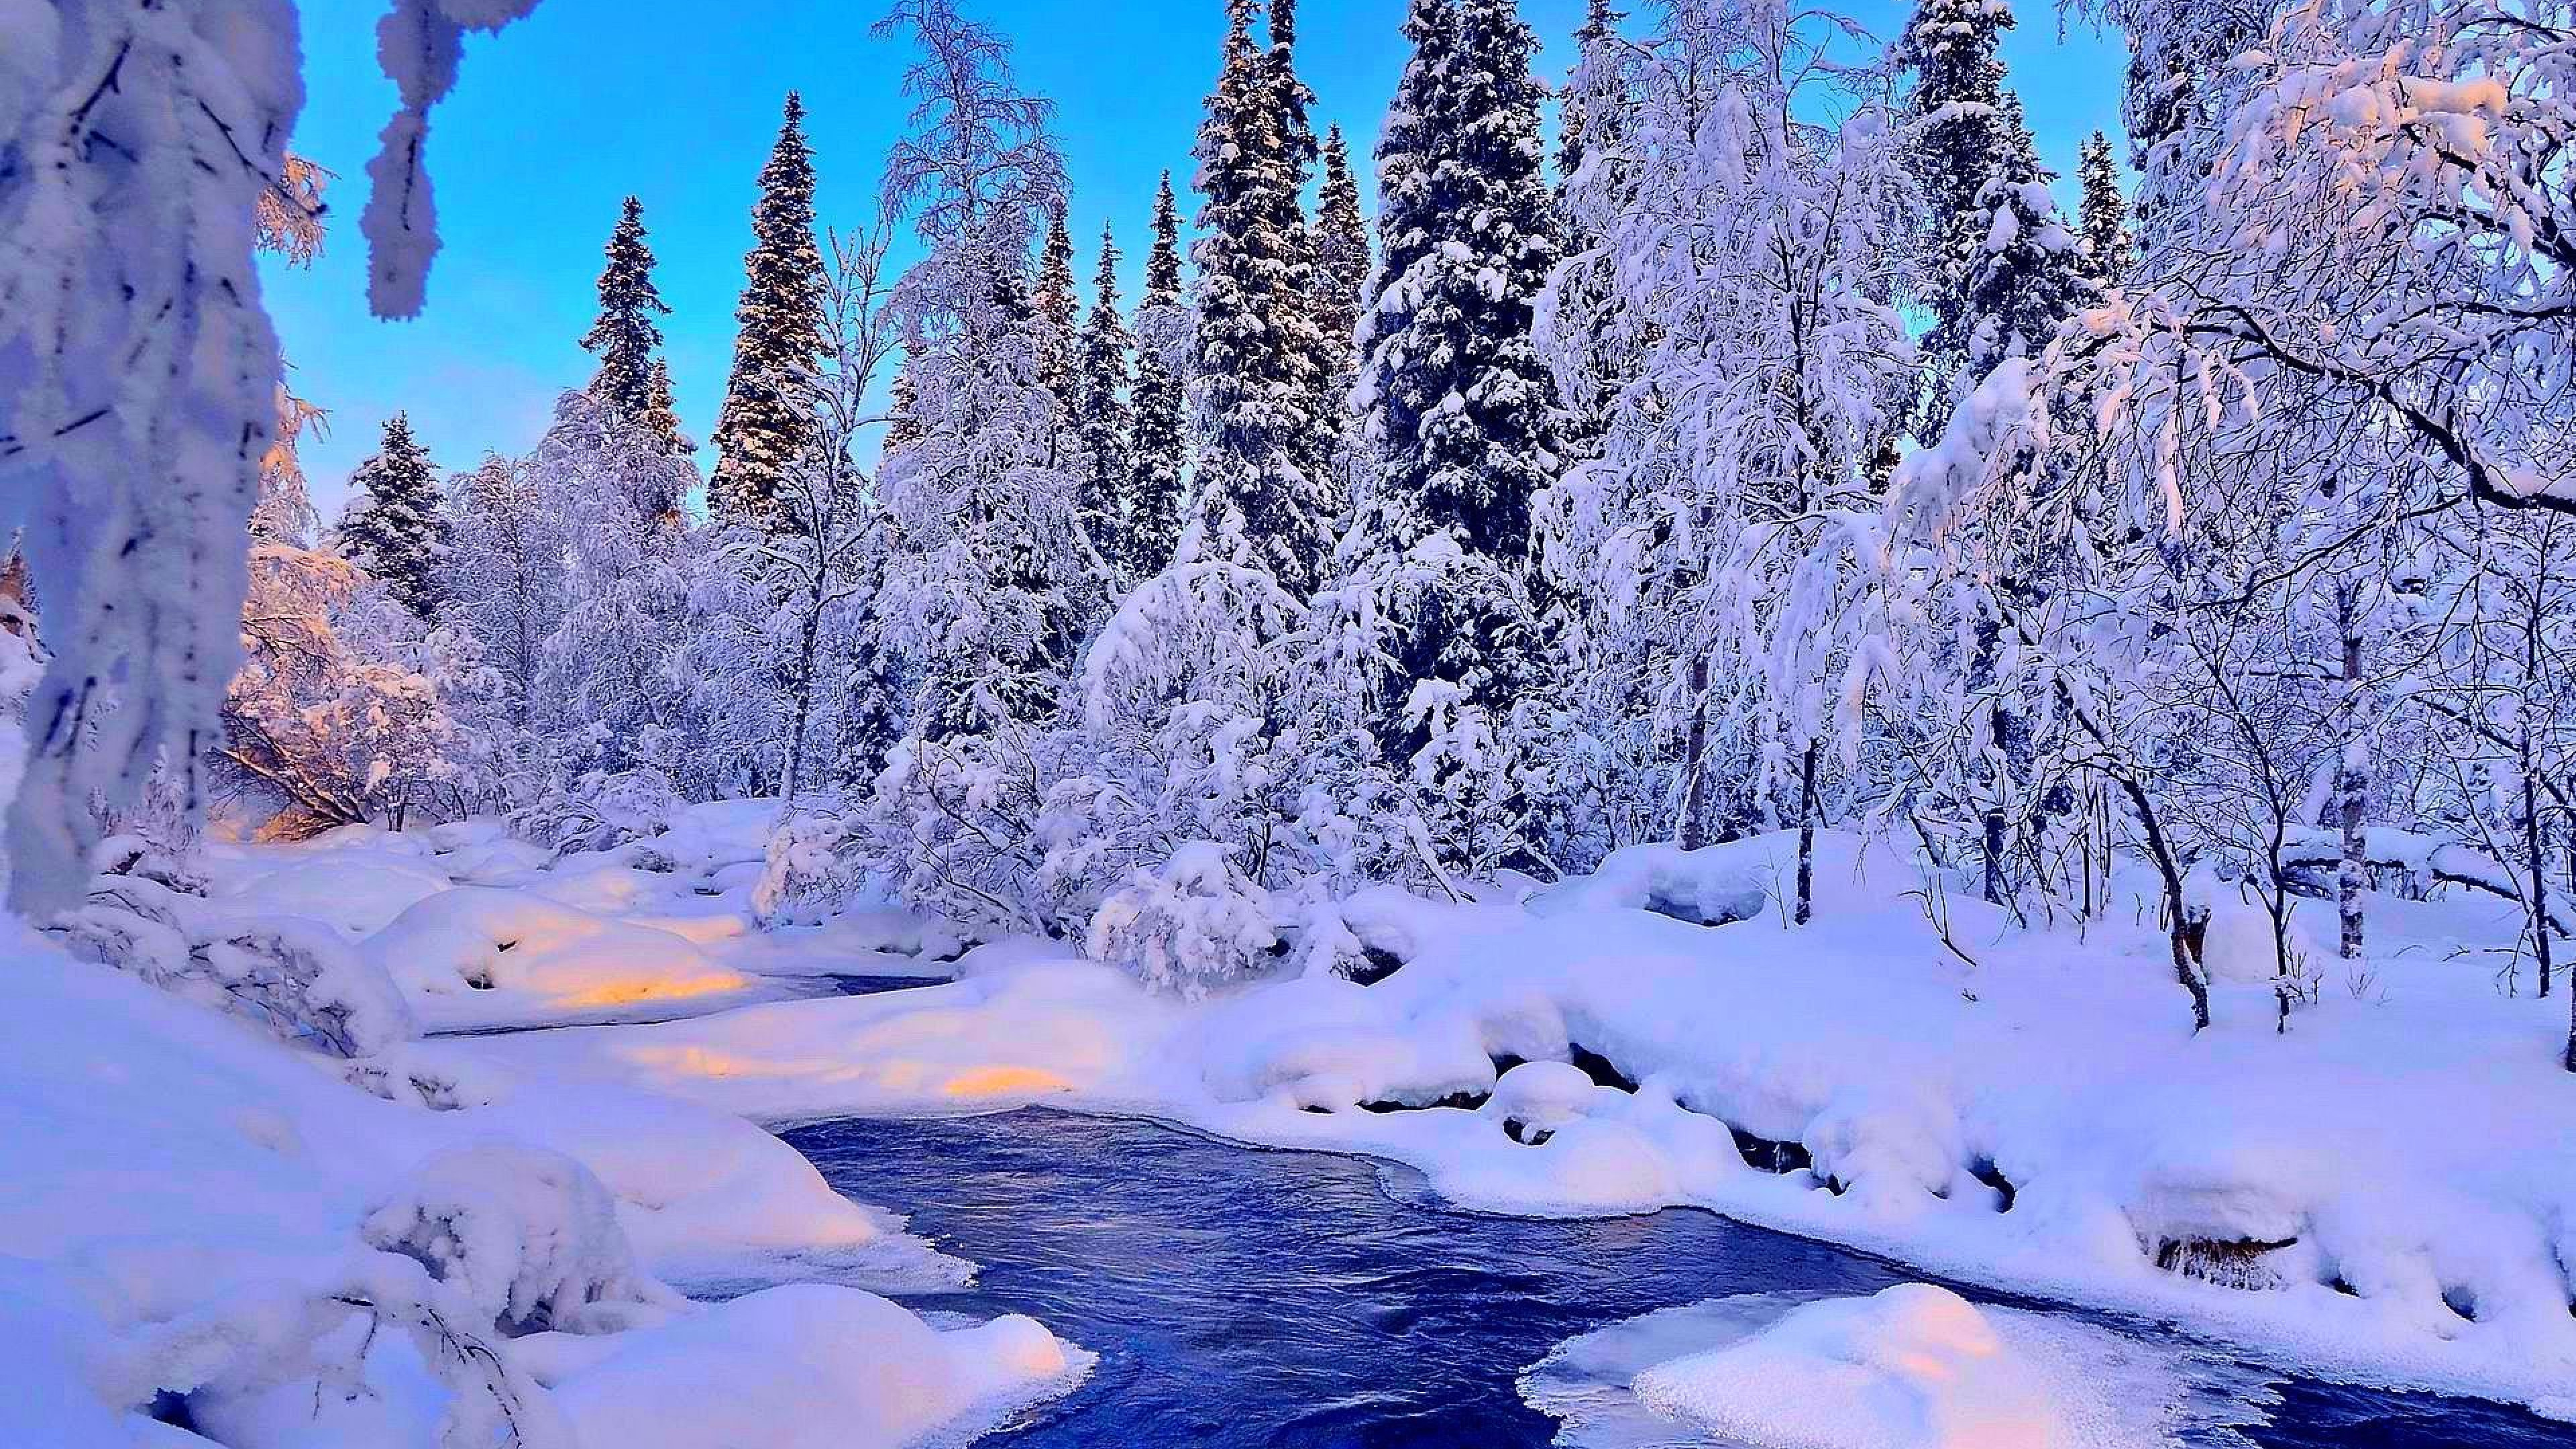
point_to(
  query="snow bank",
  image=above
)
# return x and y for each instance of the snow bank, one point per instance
(199, 1216)
(806, 1366)
(1911, 1367)
(479, 956)
(2378, 1193)
(357, 893)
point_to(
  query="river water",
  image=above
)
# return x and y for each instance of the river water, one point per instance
(1241, 1298)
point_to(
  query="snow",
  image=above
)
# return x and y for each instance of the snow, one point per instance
(194, 1209)
(808, 1366)
(2044, 1120)
(477, 956)
(1911, 1367)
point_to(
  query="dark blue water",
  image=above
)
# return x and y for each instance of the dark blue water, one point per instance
(1295, 1300)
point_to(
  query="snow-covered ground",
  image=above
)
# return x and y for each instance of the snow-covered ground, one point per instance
(1911, 1367)
(2388, 1192)
(206, 1226)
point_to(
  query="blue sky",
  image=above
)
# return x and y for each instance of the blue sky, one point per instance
(559, 117)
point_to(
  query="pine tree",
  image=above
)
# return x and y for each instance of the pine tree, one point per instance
(2103, 213)
(1341, 250)
(2026, 276)
(661, 413)
(1056, 307)
(625, 336)
(1101, 419)
(1259, 480)
(1157, 401)
(1469, 235)
(767, 418)
(1456, 398)
(392, 527)
(1953, 48)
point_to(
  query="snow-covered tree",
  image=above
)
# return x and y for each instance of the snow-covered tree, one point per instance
(1101, 415)
(1165, 344)
(2102, 215)
(1758, 255)
(1255, 383)
(2005, 273)
(626, 337)
(766, 419)
(505, 568)
(392, 527)
(336, 714)
(605, 699)
(1452, 389)
(992, 580)
(1341, 254)
(1056, 311)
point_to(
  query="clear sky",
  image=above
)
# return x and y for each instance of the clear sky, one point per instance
(560, 116)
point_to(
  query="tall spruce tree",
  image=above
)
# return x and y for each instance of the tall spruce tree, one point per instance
(1341, 252)
(1102, 420)
(1259, 478)
(1455, 395)
(1158, 400)
(768, 418)
(1469, 234)
(2102, 213)
(1955, 102)
(1056, 306)
(392, 527)
(626, 336)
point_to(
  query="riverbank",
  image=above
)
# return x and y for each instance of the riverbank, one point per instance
(2387, 1192)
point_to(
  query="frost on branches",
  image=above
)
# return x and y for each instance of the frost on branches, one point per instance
(137, 404)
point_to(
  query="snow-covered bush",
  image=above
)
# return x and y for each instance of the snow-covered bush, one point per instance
(807, 871)
(293, 976)
(601, 810)
(1195, 921)
(337, 711)
(527, 1236)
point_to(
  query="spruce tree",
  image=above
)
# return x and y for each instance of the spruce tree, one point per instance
(1056, 306)
(2102, 213)
(1341, 250)
(2005, 264)
(1469, 234)
(661, 413)
(392, 527)
(1260, 484)
(1456, 398)
(2027, 274)
(1953, 49)
(626, 336)
(1100, 419)
(1161, 429)
(768, 418)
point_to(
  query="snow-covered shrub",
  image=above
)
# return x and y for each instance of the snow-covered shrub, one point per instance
(293, 976)
(602, 810)
(1193, 922)
(527, 1236)
(807, 872)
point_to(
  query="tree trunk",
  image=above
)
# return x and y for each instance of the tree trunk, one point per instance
(1807, 836)
(2352, 784)
(1694, 831)
(2186, 935)
(2538, 865)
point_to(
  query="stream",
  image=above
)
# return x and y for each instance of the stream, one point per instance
(1239, 1297)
